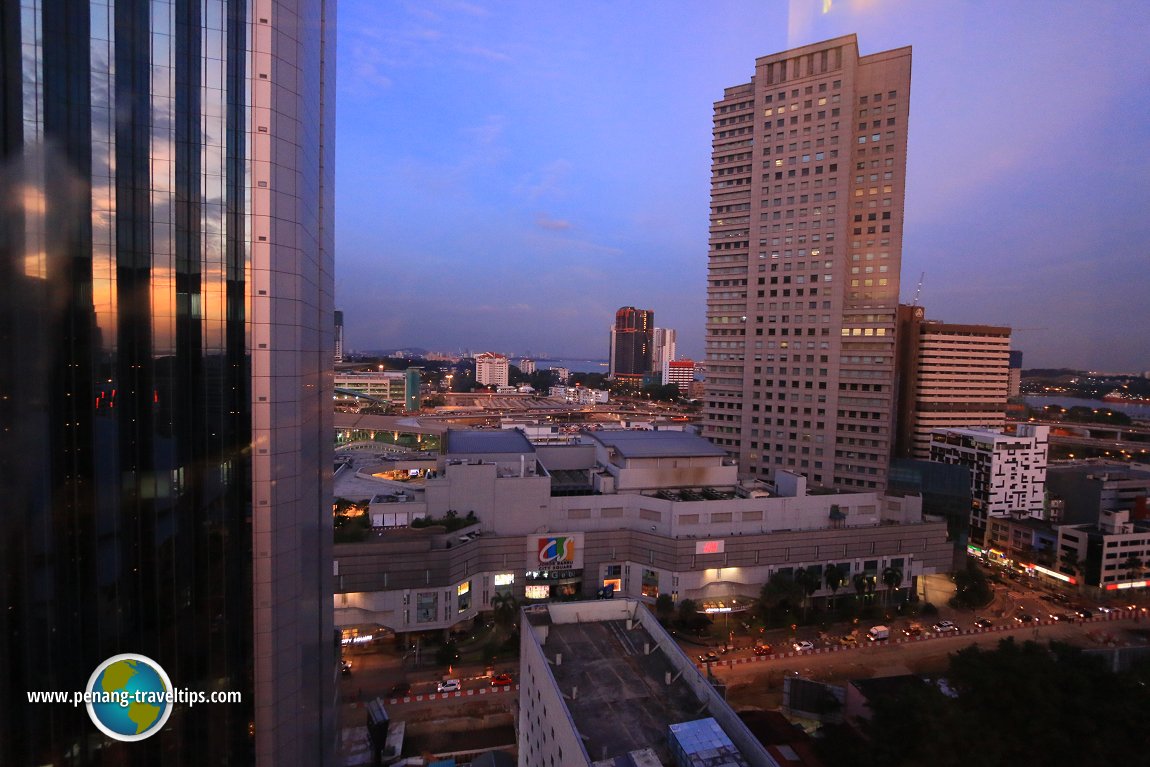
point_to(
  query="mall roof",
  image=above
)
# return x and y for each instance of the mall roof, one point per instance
(657, 444)
(479, 441)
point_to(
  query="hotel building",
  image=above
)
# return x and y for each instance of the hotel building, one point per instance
(808, 172)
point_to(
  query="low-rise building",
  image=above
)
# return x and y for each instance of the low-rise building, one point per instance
(638, 514)
(387, 385)
(580, 395)
(1113, 554)
(681, 373)
(607, 685)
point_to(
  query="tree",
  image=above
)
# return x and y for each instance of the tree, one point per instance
(808, 581)
(864, 586)
(892, 579)
(834, 576)
(1069, 563)
(505, 608)
(780, 589)
(664, 608)
(447, 654)
(971, 587)
(1133, 565)
(688, 612)
(1060, 707)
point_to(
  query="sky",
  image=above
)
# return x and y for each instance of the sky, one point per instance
(509, 174)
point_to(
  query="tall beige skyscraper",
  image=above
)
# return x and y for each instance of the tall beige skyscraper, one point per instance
(807, 183)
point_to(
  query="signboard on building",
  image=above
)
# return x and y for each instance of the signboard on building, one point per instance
(710, 547)
(562, 551)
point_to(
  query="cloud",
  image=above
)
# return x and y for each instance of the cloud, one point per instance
(543, 221)
(546, 182)
(490, 131)
(483, 53)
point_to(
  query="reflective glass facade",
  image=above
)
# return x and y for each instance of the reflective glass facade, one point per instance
(165, 387)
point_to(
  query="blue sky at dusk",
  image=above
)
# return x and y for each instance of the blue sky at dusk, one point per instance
(508, 174)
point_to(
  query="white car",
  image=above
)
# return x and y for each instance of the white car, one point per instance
(448, 685)
(944, 626)
(803, 646)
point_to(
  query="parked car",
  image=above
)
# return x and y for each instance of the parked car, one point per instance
(803, 646)
(399, 690)
(709, 657)
(449, 685)
(944, 626)
(501, 680)
(983, 623)
(763, 649)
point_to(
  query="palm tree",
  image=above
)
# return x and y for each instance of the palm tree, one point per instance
(808, 583)
(506, 610)
(864, 585)
(892, 579)
(833, 575)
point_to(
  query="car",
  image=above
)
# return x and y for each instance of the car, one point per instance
(803, 646)
(913, 630)
(1084, 612)
(1062, 599)
(1047, 598)
(501, 680)
(983, 623)
(1104, 610)
(1062, 617)
(709, 657)
(762, 649)
(1024, 618)
(345, 667)
(944, 626)
(399, 690)
(449, 685)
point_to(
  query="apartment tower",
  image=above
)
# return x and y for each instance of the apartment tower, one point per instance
(808, 176)
(663, 349)
(166, 346)
(950, 376)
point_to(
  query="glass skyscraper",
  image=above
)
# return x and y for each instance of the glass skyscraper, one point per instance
(165, 390)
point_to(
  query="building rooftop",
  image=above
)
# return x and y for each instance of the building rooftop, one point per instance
(623, 702)
(657, 444)
(473, 442)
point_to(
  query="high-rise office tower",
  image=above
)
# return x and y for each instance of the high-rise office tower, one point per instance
(631, 342)
(165, 372)
(662, 349)
(338, 336)
(950, 376)
(807, 180)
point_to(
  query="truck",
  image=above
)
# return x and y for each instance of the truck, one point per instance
(878, 633)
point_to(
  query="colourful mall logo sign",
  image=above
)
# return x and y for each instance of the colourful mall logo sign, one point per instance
(557, 552)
